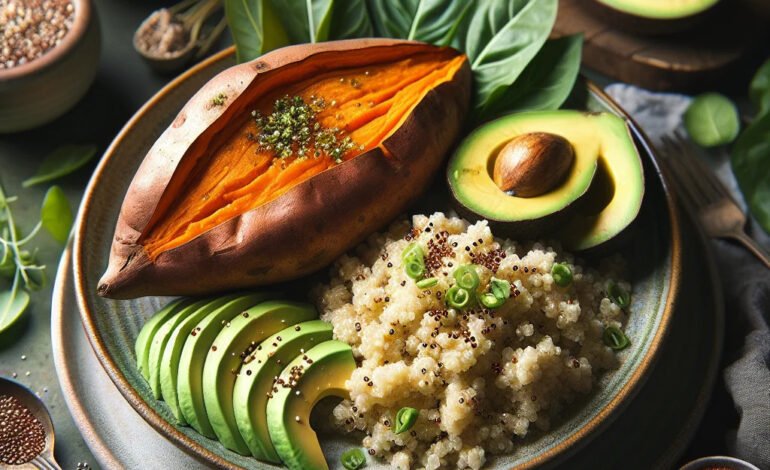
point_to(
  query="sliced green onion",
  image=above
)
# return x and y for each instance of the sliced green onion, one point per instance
(618, 295)
(415, 269)
(427, 282)
(353, 459)
(413, 251)
(490, 300)
(466, 277)
(615, 338)
(500, 288)
(457, 297)
(562, 274)
(405, 419)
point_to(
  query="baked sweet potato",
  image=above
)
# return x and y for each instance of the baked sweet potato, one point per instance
(279, 165)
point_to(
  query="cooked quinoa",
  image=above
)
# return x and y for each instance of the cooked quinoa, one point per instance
(481, 378)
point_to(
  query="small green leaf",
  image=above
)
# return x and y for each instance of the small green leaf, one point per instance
(759, 89)
(751, 164)
(711, 120)
(56, 215)
(12, 305)
(502, 37)
(546, 82)
(61, 162)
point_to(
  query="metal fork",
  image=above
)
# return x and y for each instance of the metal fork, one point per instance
(705, 196)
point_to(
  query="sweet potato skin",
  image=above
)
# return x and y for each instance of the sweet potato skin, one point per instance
(307, 227)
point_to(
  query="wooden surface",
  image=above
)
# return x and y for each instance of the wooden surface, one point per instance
(717, 52)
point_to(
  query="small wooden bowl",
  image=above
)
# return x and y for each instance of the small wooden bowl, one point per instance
(43, 89)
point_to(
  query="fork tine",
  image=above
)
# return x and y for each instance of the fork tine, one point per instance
(709, 178)
(695, 173)
(678, 175)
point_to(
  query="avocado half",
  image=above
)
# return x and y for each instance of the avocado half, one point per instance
(600, 196)
(653, 16)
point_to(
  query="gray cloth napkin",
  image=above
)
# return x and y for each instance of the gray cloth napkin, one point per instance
(745, 280)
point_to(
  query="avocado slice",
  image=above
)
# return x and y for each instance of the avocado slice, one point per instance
(158, 343)
(255, 381)
(321, 372)
(194, 353)
(235, 341)
(588, 200)
(144, 338)
(660, 9)
(169, 362)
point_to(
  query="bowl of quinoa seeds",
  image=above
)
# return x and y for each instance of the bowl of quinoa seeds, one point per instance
(22, 436)
(476, 377)
(30, 28)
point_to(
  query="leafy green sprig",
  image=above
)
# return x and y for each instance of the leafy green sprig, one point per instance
(18, 262)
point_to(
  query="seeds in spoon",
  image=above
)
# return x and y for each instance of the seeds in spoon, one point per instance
(22, 437)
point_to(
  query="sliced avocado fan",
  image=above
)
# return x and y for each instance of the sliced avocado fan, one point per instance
(321, 372)
(168, 364)
(257, 378)
(239, 337)
(193, 357)
(144, 339)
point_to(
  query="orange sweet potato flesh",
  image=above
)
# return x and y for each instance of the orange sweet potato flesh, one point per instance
(210, 209)
(368, 104)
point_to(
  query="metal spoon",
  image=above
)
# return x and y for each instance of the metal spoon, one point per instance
(191, 14)
(45, 460)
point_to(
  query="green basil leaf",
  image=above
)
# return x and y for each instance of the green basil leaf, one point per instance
(433, 21)
(305, 20)
(12, 305)
(751, 164)
(55, 214)
(759, 89)
(255, 28)
(503, 36)
(61, 162)
(546, 82)
(711, 120)
(350, 19)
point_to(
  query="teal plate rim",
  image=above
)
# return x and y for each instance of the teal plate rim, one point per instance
(557, 451)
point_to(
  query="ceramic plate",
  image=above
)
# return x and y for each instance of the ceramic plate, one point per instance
(111, 326)
(678, 388)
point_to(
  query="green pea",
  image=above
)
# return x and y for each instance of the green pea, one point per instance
(562, 274)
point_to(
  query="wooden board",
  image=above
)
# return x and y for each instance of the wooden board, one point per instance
(722, 49)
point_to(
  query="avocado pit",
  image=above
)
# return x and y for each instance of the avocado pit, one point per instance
(532, 164)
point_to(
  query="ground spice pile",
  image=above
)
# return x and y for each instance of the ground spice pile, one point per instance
(30, 28)
(162, 35)
(22, 437)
